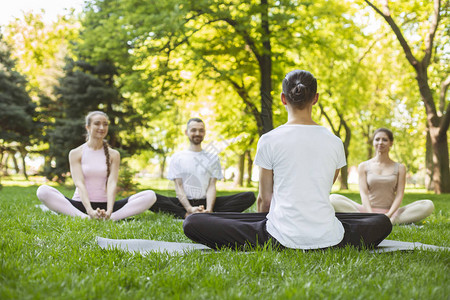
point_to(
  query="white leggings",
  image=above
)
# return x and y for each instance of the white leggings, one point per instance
(411, 213)
(56, 201)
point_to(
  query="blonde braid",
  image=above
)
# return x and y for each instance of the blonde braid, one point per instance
(108, 161)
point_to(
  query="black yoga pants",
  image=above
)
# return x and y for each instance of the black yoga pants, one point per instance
(232, 203)
(240, 230)
(102, 205)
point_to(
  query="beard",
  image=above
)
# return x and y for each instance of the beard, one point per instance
(196, 140)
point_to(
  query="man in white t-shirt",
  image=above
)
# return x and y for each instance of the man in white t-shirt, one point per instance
(299, 162)
(195, 173)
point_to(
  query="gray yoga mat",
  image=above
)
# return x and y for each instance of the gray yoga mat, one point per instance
(391, 245)
(145, 246)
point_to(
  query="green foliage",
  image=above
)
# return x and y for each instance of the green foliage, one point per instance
(16, 108)
(211, 57)
(40, 48)
(231, 49)
(152, 65)
(126, 185)
(53, 256)
(84, 88)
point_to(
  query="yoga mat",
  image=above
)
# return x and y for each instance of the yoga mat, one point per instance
(391, 245)
(145, 246)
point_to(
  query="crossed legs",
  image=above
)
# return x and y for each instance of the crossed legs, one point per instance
(231, 203)
(414, 212)
(237, 230)
(230, 230)
(411, 213)
(56, 201)
(137, 203)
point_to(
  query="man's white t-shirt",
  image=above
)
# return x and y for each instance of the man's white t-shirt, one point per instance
(195, 169)
(304, 159)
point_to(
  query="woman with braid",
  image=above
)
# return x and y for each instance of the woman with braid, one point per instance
(95, 170)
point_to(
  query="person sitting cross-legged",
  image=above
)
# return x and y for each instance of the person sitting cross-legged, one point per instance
(195, 173)
(94, 167)
(299, 161)
(382, 186)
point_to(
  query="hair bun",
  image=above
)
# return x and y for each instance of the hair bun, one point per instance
(298, 91)
(299, 87)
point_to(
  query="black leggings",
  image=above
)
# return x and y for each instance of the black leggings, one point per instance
(102, 205)
(238, 231)
(232, 203)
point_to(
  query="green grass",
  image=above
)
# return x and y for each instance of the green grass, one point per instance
(54, 256)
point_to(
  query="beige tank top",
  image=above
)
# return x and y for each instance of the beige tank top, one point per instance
(382, 188)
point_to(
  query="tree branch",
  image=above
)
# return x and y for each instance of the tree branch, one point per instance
(348, 132)
(328, 119)
(248, 40)
(233, 23)
(172, 46)
(431, 33)
(443, 94)
(387, 16)
(370, 48)
(445, 122)
(242, 92)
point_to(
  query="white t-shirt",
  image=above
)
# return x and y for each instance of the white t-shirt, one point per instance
(195, 169)
(304, 159)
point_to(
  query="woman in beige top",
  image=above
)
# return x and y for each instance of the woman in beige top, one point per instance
(382, 185)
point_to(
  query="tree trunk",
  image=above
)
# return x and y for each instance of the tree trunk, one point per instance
(249, 168)
(16, 165)
(239, 180)
(2, 153)
(344, 178)
(345, 142)
(265, 65)
(368, 136)
(429, 163)
(5, 164)
(369, 147)
(348, 137)
(437, 124)
(344, 169)
(441, 172)
(23, 154)
(162, 166)
(438, 136)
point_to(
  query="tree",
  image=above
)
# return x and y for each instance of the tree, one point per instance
(85, 88)
(438, 119)
(40, 49)
(16, 108)
(236, 49)
(225, 41)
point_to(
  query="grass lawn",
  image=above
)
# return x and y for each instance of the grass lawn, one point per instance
(47, 256)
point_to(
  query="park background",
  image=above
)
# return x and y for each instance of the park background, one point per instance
(151, 66)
